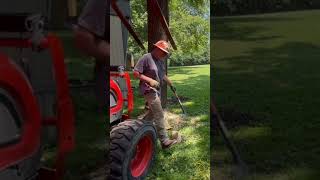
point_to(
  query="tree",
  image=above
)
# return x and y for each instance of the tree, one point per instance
(156, 33)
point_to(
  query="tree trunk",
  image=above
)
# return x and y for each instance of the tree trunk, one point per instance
(156, 33)
(59, 13)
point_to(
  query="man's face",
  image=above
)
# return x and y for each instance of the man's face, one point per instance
(161, 54)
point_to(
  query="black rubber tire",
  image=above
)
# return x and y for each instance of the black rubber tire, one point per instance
(124, 138)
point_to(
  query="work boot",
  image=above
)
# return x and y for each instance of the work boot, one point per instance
(175, 135)
(170, 142)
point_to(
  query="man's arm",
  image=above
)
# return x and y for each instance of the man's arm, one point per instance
(91, 45)
(91, 29)
(142, 77)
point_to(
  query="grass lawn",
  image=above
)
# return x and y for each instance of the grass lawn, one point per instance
(267, 66)
(189, 160)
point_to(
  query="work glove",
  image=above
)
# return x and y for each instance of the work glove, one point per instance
(154, 83)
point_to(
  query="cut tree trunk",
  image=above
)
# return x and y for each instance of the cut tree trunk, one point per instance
(156, 33)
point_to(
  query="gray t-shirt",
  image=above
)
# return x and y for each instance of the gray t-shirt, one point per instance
(93, 17)
(152, 68)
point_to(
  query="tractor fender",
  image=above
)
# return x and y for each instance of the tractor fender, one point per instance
(14, 81)
(115, 89)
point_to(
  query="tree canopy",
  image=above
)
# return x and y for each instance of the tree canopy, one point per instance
(189, 25)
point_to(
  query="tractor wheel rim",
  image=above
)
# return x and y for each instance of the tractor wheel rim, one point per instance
(142, 156)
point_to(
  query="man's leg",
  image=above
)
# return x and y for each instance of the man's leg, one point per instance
(156, 110)
(146, 114)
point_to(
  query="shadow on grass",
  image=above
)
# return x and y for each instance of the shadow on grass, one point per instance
(89, 153)
(253, 19)
(229, 28)
(90, 137)
(281, 83)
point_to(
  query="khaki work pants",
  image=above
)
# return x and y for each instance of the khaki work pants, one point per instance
(156, 115)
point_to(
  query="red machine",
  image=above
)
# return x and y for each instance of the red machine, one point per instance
(34, 98)
(23, 118)
(132, 142)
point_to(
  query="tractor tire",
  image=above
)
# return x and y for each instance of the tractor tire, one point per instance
(132, 150)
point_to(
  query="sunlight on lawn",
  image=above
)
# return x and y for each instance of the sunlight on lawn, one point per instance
(190, 159)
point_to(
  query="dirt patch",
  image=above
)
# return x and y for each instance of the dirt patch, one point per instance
(172, 121)
(175, 121)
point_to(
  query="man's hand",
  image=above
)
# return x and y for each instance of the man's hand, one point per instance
(151, 82)
(169, 82)
(154, 83)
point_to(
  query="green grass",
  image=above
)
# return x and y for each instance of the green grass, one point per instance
(268, 66)
(189, 160)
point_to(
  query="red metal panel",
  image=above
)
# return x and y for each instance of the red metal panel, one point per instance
(130, 99)
(65, 116)
(13, 80)
(115, 88)
(20, 43)
(65, 112)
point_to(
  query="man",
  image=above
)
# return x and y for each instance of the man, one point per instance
(92, 38)
(150, 69)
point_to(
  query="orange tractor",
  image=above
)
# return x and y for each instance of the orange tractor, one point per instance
(34, 98)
